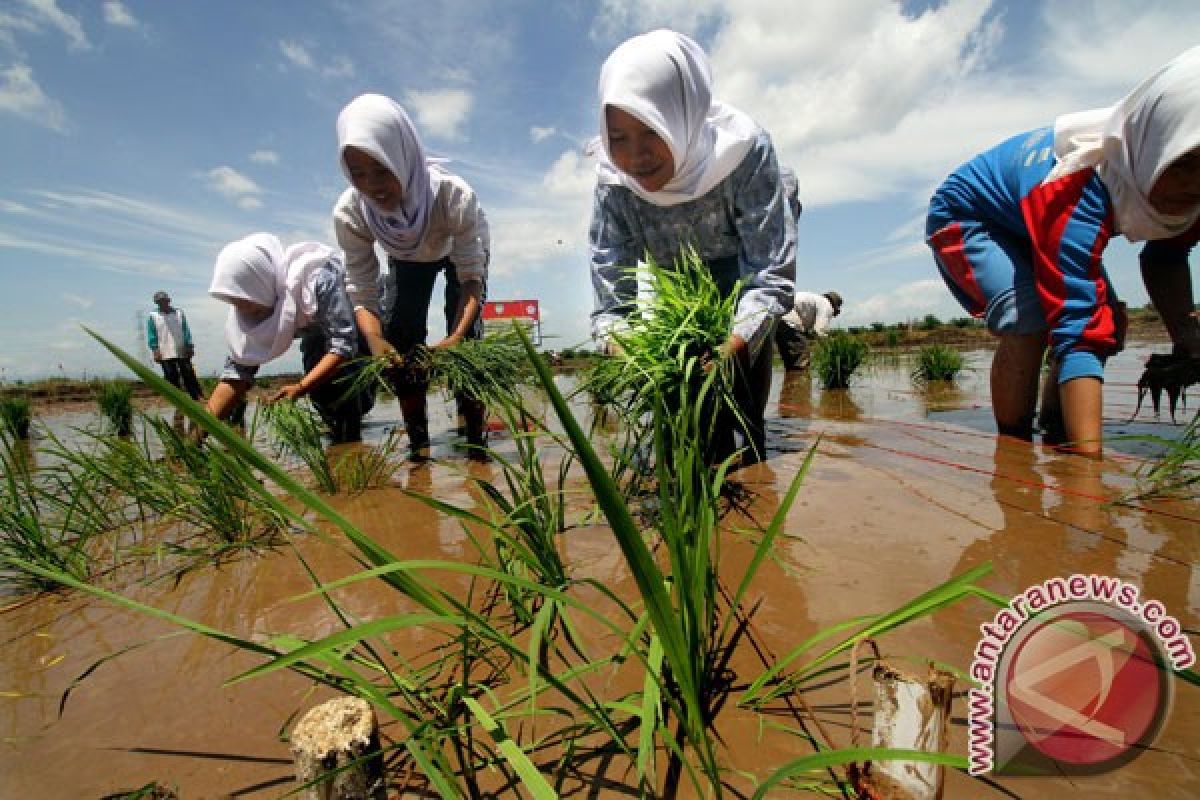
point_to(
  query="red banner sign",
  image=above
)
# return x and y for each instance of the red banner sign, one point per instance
(511, 309)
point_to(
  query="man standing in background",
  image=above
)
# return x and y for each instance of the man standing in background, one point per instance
(170, 340)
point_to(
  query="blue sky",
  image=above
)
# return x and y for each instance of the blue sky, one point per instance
(137, 137)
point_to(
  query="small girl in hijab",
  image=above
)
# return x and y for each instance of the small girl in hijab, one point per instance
(428, 222)
(680, 169)
(279, 294)
(1018, 233)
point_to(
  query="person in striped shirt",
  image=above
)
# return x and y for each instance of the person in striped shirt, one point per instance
(1019, 231)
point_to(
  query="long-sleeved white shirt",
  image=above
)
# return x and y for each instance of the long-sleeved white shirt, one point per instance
(457, 230)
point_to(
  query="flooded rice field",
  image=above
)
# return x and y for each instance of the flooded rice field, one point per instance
(909, 487)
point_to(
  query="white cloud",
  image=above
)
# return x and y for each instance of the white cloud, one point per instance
(264, 157)
(115, 13)
(21, 95)
(9, 207)
(619, 19)
(440, 112)
(78, 300)
(908, 301)
(338, 67)
(296, 53)
(48, 11)
(234, 185)
(539, 134)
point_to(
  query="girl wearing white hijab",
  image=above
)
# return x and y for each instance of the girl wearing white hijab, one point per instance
(278, 295)
(1018, 233)
(428, 222)
(680, 169)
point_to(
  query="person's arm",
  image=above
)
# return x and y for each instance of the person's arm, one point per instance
(468, 225)
(766, 228)
(1168, 279)
(358, 247)
(336, 319)
(152, 338)
(1067, 241)
(323, 371)
(615, 251)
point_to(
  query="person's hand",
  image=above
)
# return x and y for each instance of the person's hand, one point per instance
(449, 341)
(290, 392)
(613, 348)
(733, 347)
(157, 356)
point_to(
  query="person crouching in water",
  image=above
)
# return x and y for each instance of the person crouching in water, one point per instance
(680, 168)
(1018, 233)
(279, 294)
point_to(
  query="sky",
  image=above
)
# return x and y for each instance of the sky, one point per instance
(137, 137)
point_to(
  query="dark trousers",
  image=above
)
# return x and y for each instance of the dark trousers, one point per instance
(179, 373)
(794, 347)
(340, 408)
(751, 386)
(411, 292)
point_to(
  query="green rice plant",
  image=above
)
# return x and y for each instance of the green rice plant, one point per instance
(366, 467)
(15, 415)
(115, 399)
(893, 339)
(167, 475)
(937, 362)
(1176, 473)
(490, 369)
(836, 357)
(297, 431)
(40, 523)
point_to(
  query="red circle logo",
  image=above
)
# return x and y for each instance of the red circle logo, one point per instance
(1085, 688)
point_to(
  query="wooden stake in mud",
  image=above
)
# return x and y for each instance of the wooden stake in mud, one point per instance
(328, 740)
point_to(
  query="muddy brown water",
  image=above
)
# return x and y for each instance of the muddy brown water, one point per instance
(909, 487)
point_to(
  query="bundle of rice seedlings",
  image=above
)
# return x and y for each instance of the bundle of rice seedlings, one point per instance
(490, 369)
(115, 399)
(836, 357)
(677, 326)
(297, 431)
(15, 416)
(937, 362)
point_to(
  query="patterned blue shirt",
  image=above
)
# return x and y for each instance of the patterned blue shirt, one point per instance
(744, 225)
(333, 319)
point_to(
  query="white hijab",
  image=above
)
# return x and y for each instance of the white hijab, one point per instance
(663, 79)
(379, 127)
(258, 268)
(1131, 143)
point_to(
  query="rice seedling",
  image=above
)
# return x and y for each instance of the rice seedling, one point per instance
(115, 399)
(363, 468)
(15, 415)
(489, 369)
(297, 430)
(40, 523)
(836, 357)
(168, 476)
(937, 362)
(1176, 473)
